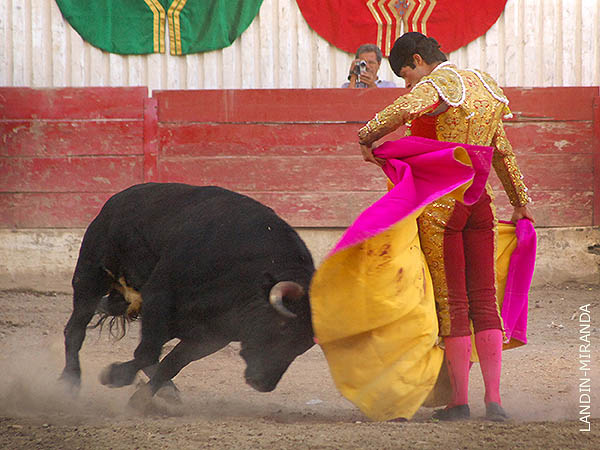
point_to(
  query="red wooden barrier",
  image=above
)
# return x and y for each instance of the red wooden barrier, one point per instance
(596, 210)
(296, 149)
(63, 152)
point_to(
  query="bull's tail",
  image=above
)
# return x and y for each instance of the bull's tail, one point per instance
(115, 309)
(117, 325)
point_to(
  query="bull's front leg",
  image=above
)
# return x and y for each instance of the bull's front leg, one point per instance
(85, 301)
(155, 332)
(182, 354)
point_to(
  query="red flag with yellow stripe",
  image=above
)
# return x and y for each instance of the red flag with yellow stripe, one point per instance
(347, 24)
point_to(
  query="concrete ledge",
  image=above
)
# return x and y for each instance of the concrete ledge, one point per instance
(44, 259)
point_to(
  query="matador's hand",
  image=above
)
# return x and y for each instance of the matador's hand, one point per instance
(367, 152)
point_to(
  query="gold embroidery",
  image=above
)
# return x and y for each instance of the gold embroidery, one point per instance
(452, 126)
(505, 165)
(490, 192)
(490, 84)
(407, 107)
(432, 223)
(478, 121)
(448, 82)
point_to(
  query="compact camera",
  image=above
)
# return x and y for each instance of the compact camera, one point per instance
(360, 67)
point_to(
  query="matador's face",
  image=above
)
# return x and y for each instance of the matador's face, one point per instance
(412, 76)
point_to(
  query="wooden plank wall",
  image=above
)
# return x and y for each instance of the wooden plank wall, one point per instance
(296, 149)
(553, 136)
(64, 151)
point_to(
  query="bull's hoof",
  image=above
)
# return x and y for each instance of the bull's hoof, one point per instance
(144, 403)
(260, 385)
(71, 382)
(170, 394)
(141, 400)
(118, 374)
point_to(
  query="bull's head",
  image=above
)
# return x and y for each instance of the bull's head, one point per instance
(279, 338)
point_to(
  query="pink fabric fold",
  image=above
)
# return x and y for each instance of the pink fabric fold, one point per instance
(518, 282)
(422, 171)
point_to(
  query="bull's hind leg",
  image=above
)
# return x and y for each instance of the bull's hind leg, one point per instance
(182, 354)
(87, 292)
(168, 391)
(155, 332)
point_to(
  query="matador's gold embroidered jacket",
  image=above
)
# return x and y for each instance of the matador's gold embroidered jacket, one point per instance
(465, 106)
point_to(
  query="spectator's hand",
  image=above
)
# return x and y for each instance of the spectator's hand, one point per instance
(521, 212)
(353, 66)
(367, 152)
(368, 78)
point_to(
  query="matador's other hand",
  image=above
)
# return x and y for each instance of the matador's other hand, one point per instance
(521, 212)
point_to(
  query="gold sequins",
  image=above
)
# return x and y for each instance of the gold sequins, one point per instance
(407, 107)
(432, 223)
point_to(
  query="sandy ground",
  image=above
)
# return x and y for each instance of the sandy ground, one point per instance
(540, 387)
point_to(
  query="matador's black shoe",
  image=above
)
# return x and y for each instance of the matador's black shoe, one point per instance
(459, 412)
(495, 412)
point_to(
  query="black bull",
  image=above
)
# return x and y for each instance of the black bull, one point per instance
(209, 266)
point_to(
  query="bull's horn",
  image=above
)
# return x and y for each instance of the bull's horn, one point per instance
(283, 289)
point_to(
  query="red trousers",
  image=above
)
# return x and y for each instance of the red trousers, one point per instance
(465, 282)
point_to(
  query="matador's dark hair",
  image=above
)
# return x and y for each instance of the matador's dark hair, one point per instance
(411, 43)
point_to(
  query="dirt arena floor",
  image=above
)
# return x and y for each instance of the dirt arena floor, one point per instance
(540, 387)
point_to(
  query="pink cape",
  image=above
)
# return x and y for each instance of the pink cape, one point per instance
(422, 170)
(518, 282)
(372, 299)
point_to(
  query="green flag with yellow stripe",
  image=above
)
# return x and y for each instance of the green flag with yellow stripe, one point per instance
(142, 26)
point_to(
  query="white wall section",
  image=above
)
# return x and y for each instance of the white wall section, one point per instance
(534, 43)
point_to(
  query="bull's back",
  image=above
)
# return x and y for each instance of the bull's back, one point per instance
(204, 226)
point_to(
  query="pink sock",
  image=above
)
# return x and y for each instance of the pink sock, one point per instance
(489, 349)
(458, 358)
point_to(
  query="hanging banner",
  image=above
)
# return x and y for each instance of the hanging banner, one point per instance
(139, 26)
(347, 24)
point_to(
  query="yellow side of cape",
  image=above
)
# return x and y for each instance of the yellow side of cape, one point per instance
(374, 316)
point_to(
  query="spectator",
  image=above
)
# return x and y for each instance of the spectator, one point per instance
(367, 77)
